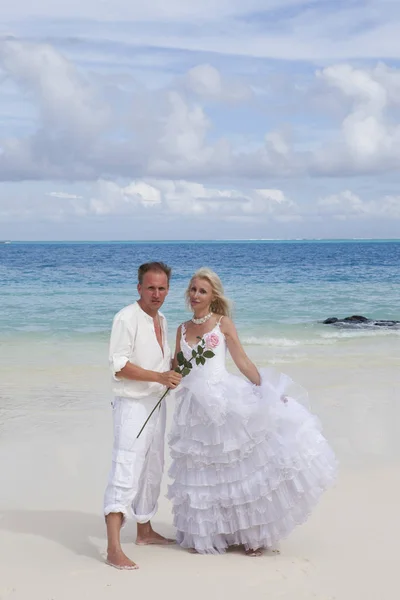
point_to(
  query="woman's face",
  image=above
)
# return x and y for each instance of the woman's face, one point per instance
(200, 295)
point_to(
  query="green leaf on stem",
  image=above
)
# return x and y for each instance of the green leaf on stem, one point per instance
(180, 358)
(200, 349)
(198, 360)
(208, 354)
(202, 360)
(194, 353)
(185, 372)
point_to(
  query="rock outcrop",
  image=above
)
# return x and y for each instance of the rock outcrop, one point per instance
(359, 320)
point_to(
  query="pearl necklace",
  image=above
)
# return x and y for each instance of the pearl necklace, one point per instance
(201, 320)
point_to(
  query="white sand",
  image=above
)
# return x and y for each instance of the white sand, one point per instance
(54, 458)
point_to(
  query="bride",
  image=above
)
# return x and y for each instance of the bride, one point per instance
(249, 461)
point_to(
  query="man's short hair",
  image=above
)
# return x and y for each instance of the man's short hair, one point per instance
(156, 267)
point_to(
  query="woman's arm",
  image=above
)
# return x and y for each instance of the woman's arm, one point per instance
(239, 356)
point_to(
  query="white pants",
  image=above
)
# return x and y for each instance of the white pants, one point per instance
(137, 464)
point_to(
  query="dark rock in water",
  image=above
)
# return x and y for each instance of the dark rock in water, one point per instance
(330, 321)
(353, 319)
(360, 320)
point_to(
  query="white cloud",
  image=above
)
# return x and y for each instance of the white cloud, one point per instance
(369, 138)
(65, 100)
(184, 132)
(180, 154)
(71, 118)
(152, 197)
(148, 195)
(110, 198)
(297, 30)
(187, 198)
(206, 81)
(64, 195)
(172, 209)
(161, 199)
(88, 129)
(389, 207)
(346, 204)
(137, 11)
(157, 110)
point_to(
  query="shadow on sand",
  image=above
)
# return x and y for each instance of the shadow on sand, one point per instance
(71, 529)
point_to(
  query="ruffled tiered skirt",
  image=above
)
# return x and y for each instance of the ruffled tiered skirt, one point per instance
(247, 467)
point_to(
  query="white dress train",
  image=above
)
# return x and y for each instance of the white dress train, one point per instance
(246, 466)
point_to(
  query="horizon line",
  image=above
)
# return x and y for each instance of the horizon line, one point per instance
(127, 241)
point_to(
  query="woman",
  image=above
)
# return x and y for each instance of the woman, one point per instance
(249, 462)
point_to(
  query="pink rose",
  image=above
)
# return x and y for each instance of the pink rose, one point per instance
(212, 341)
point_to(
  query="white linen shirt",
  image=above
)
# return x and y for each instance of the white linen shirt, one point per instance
(133, 339)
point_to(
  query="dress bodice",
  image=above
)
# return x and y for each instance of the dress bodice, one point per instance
(214, 367)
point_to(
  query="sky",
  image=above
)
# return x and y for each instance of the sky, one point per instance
(180, 119)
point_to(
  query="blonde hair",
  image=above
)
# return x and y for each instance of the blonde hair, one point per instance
(220, 305)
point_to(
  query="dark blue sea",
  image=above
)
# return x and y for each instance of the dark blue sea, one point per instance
(279, 289)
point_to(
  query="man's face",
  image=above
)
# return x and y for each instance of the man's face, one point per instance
(153, 291)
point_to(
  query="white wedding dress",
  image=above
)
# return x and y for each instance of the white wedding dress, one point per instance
(247, 467)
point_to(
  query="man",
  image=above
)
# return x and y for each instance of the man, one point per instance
(140, 361)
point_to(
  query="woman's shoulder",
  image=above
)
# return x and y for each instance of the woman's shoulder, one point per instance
(183, 326)
(225, 323)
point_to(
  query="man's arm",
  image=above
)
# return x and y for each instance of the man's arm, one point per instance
(131, 371)
(121, 345)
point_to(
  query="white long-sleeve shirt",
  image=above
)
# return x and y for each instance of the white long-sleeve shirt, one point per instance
(133, 339)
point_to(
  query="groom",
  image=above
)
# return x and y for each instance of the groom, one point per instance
(140, 361)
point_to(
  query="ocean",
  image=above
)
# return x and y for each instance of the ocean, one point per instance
(58, 300)
(280, 290)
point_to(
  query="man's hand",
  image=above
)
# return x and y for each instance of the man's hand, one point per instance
(170, 379)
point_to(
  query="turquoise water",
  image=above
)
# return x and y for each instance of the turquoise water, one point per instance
(75, 288)
(281, 290)
(57, 302)
(72, 289)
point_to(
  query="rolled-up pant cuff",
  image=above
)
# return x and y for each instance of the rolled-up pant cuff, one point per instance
(145, 518)
(122, 509)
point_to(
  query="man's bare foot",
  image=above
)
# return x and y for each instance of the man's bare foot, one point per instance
(119, 560)
(146, 539)
(257, 552)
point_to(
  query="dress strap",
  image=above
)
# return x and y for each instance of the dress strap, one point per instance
(220, 319)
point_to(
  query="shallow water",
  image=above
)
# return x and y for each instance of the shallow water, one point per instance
(57, 302)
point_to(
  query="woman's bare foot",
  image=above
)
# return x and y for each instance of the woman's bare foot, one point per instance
(147, 536)
(256, 552)
(119, 560)
(192, 551)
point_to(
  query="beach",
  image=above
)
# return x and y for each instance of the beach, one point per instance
(56, 437)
